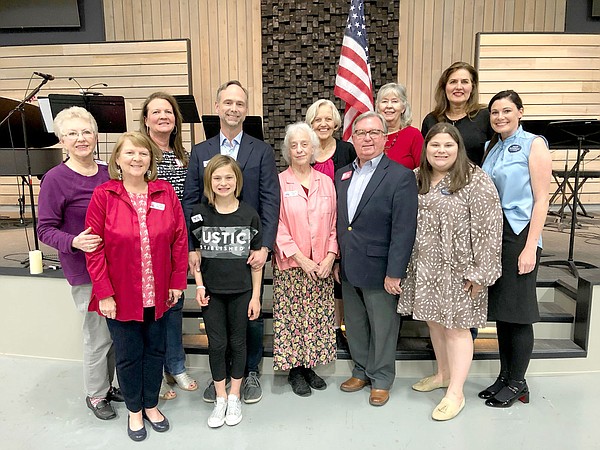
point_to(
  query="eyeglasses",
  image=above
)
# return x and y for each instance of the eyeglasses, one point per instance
(74, 135)
(361, 134)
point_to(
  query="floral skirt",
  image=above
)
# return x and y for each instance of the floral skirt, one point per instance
(303, 324)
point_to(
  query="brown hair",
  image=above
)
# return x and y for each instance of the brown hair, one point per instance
(460, 173)
(441, 101)
(139, 140)
(175, 139)
(216, 162)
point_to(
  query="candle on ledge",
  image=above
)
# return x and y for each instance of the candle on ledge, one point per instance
(35, 262)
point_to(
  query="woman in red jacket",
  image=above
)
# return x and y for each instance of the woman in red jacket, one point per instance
(138, 271)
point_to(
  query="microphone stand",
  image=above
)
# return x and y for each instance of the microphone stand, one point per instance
(20, 107)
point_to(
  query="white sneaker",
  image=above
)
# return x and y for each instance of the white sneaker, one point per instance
(217, 417)
(234, 410)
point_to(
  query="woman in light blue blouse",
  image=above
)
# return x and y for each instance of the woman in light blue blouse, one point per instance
(520, 165)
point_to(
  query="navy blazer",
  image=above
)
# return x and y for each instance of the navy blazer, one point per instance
(261, 183)
(379, 240)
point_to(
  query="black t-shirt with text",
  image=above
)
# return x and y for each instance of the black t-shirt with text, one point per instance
(225, 241)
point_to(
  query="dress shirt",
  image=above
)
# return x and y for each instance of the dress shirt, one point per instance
(358, 184)
(230, 148)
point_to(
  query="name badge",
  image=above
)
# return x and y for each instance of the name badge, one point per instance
(287, 194)
(346, 175)
(156, 205)
(205, 163)
(197, 218)
(514, 148)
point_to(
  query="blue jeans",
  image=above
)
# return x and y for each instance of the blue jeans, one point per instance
(174, 353)
(140, 355)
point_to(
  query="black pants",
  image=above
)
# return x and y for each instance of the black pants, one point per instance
(140, 355)
(226, 320)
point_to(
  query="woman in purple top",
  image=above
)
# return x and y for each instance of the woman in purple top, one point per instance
(65, 193)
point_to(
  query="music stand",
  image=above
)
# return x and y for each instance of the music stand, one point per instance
(252, 125)
(108, 110)
(581, 131)
(21, 109)
(187, 106)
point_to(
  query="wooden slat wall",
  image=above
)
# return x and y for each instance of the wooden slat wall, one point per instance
(436, 33)
(556, 75)
(131, 69)
(225, 38)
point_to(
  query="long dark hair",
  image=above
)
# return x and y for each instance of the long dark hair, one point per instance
(514, 98)
(441, 101)
(175, 139)
(460, 173)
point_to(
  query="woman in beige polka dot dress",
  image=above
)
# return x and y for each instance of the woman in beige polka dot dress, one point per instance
(455, 258)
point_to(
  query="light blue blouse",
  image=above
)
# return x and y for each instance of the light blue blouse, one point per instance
(507, 164)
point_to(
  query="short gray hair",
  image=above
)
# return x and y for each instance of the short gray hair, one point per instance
(366, 115)
(74, 112)
(294, 129)
(400, 91)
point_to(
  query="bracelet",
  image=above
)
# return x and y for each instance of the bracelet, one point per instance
(200, 287)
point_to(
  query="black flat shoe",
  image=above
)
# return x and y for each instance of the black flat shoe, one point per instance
(103, 409)
(492, 390)
(159, 427)
(114, 394)
(138, 435)
(516, 390)
(313, 380)
(298, 383)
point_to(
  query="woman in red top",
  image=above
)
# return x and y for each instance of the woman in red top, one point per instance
(404, 143)
(138, 271)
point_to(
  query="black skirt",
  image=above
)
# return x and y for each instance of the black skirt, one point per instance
(513, 297)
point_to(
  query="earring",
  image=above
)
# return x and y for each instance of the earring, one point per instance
(148, 173)
(120, 173)
(147, 130)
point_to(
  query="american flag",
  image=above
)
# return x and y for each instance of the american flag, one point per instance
(353, 80)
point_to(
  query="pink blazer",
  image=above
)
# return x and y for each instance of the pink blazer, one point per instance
(306, 222)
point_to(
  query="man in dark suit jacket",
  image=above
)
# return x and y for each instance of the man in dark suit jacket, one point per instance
(377, 220)
(260, 190)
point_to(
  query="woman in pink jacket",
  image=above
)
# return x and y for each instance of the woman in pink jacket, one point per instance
(138, 271)
(305, 250)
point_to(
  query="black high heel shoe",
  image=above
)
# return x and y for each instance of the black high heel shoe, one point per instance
(516, 390)
(492, 390)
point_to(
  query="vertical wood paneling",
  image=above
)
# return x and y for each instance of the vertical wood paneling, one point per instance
(224, 34)
(452, 36)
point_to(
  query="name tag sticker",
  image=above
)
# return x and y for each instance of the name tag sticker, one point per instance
(346, 175)
(156, 205)
(514, 148)
(197, 218)
(287, 194)
(205, 163)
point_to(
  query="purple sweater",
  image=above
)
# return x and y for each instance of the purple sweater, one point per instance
(63, 201)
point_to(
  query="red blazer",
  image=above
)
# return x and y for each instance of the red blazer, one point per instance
(116, 266)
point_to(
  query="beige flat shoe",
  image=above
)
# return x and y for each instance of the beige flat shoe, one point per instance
(447, 409)
(429, 384)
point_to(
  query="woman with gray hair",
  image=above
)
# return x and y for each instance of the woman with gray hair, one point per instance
(64, 197)
(404, 143)
(305, 250)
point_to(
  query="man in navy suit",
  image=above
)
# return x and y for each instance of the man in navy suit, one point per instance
(376, 226)
(260, 190)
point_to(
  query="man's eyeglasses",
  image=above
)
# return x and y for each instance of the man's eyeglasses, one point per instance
(361, 134)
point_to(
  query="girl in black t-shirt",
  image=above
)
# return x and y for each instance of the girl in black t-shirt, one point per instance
(226, 231)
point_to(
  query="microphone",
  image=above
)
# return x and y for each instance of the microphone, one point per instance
(87, 91)
(45, 76)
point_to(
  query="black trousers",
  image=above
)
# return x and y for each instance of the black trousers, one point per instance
(140, 355)
(226, 320)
